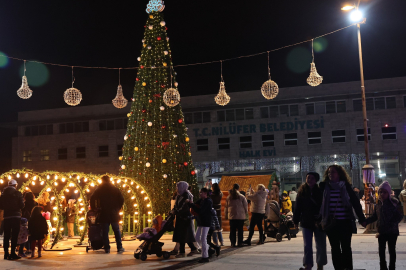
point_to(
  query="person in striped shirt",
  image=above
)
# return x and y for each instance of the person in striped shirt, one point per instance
(337, 213)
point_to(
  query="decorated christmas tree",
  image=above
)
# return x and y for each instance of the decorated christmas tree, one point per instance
(156, 149)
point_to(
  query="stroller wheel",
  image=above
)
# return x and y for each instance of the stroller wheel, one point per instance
(159, 254)
(143, 256)
(278, 237)
(87, 249)
(166, 255)
(137, 256)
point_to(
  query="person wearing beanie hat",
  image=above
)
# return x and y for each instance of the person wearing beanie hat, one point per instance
(12, 202)
(388, 213)
(402, 198)
(236, 211)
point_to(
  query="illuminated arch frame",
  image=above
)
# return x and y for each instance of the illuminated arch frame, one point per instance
(53, 180)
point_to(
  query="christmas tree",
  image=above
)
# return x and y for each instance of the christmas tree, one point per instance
(156, 150)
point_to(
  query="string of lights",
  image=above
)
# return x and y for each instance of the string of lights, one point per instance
(184, 65)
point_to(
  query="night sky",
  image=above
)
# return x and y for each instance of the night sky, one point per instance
(109, 33)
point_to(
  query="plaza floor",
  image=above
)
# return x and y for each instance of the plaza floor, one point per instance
(272, 255)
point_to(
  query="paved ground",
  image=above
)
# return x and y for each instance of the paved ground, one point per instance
(272, 255)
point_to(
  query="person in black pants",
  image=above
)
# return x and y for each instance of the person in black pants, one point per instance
(11, 201)
(258, 202)
(235, 211)
(339, 200)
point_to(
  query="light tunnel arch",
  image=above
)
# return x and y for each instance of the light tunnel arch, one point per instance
(140, 202)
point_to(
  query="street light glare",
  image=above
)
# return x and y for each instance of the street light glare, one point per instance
(347, 8)
(356, 16)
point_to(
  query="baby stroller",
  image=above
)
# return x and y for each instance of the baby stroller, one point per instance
(94, 232)
(276, 225)
(288, 221)
(152, 245)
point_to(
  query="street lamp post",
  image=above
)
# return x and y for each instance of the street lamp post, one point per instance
(368, 173)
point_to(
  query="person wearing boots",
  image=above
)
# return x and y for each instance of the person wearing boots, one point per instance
(12, 202)
(258, 202)
(402, 198)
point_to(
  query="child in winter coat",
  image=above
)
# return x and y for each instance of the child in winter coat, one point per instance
(215, 225)
(70, 217)
(22, 236)
(388, 212)
(286, 203)
(38, 228)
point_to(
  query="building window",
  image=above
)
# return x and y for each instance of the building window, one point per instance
(320, 107)
(73, 127)
(246, 142)
(197, 118)
(264, 111)
(335, 106)
(202, 144)
(38, 130)
(291, 139)
(284, 110)
(206, 117)
(103, 151)
(360, 134)
(268, 140)
(273, 111)
(338, 136)
(44, 155)
(221, 116)
(27, 156)
(223, 143)
(63, 153)
(357, 105)
(69, 127)
(390, 102)
(249, 113)
(239, 114)
(80, 152)
(389, 133)
(310, 109)
(293, 110)
(314, 137)
(379, 103)
(111, 124)
(230, 115)
(120, 150)
(188, 118)
(341, 106)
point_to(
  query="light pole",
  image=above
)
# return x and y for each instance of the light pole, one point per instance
(368, 173)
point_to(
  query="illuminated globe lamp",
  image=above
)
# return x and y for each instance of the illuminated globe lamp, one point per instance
(314, 78)
(171, 97)
(269, 89)
(222, 98)
(24, 92)
(120, 101)
(72, 96)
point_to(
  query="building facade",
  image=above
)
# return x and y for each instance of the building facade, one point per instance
(303, 129)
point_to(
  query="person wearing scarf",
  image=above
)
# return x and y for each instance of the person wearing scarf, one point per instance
(183, 232)
(339, 200)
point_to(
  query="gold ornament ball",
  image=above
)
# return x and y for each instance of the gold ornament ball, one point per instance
(190, 154)
(145, 45)
(187, 139)
(165, 64)
(128, 114)
(270, 89)
(123, 167)
(136, 148)
(164, 161)
(151, 16)
(144, 84)
(120, 158)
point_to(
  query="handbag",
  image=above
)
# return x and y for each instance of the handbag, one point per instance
(331, 221)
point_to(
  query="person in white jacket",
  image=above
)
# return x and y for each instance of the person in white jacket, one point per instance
(258, 203)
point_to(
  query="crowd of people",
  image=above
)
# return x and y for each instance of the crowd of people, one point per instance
(326, 209)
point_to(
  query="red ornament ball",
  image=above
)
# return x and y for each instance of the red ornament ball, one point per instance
(144, 110)
(193, 172)
(150, 101)
(137, 79)
(142, 66)
(140, 173)
(158, 38)
(163, 126)
(180, 121)
(135, 121)
(174, 162)
(185, 163)
(163, 86)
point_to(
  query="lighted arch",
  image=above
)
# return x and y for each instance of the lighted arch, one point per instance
(57, 183)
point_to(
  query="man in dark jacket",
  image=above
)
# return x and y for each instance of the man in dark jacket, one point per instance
(11, 201)
(109, 200)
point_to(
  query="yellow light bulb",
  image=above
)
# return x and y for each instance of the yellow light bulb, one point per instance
(26, 175)
(18, 175)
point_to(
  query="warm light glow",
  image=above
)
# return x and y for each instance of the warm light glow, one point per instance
(56, 176)
(56, 183)
(63, 197)
(55, 218)
(18, 175)
(142, 191)
(149, 220)
(121, 222)
(81, 228)
(128, 191)
(61, 229)
(82, 218)
(55, 208)
(132, 198)
(85, 180)
(135, 205)
(34, 178)
(123, 185)
(386, 125)
(87, 190)
(67, 190)
(47, 176)
(71, 184)
(121, 213)
(33, 183)
(9, 177)
(53, 229)
(48, 189)
(135, 213)
(149, 213)
(27, 188)
(42, 183)
(52, 198)
(1, 181)
(356, 16)
(80, 199)
(118, 181)
(137, 187)
(132, 183)
(63, 179)
(145, 198)
(78, 177)
(92, 184)
(148, 205)
(125, 180)
(111, 179)
(26, 175)
(82, 209)
(346, 8)
(76, 191)
(135, 221)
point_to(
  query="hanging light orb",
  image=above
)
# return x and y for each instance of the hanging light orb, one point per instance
(222, 98)
(24, 92)
(171, 97)
(270, 89)
(120, 101)
(72, 96)
(314, 78)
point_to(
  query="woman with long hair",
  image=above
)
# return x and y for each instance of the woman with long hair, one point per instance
(29, 204)
(308, 203)
(236, 209)
(337, 214)
(44, 202)
(38, 228)
(216, 197)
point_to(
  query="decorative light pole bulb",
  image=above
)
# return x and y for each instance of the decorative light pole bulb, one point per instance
(72, 96)
(171, 97)
(120, 101)
(24, 92)
(269, 89)
(150, 124)
(314, 78)
(222, 98)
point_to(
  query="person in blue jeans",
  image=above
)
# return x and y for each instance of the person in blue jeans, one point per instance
(308, 203)
(108, 200)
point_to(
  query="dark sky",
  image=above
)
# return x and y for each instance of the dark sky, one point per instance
(109, 33)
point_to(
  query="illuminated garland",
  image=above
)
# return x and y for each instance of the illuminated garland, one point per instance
(58, 183)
